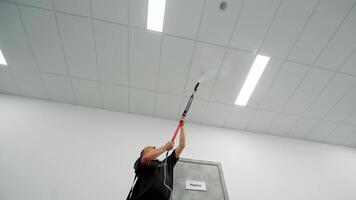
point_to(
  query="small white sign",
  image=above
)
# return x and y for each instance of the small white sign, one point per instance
(195, 185)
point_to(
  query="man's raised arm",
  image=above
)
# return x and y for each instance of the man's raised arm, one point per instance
(181, 145)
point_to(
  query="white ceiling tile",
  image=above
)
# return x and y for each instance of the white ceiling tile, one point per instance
(79, 46)
(207, 58)
(175, 64)
(112, 51)
(79, 7)
(253, 24)
(350, 65)
(144, 58)
(344, 107)
(196, 110)
(115, 97)
(334, 90)
(261, 121)
(59, 88)
(302, 127)
(30, 83)
(321, 131)
(351, 118)
(167, 106)
(217, 25)
(311, 86)
(43, 33)
(40, 3)
(111, 10)
(265, 82)
(239, 117)
(87, 92)
(351, 140)
(324, 22)
(284, 85)
(341, 134)
(7, 82)
(341, 45)
(141, 102)
(14, 44)
(233, 73)
(182, 17)
(282, 124)
(216, 114)
(138, 13)
(288, 23)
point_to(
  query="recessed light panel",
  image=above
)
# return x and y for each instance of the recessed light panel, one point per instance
(155, 15)
(2, 59)
(252, 79)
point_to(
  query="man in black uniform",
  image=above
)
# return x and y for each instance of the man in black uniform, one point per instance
(154, 177)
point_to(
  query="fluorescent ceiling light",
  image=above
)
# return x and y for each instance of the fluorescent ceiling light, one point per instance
(252, 79)
(155, 15)
(2, 59)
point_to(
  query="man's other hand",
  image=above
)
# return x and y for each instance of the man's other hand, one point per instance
(182, 121)
(169, 145)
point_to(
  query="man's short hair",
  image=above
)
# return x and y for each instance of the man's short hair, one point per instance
(143, 150)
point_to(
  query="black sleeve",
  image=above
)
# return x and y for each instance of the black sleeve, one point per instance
(139, 169)
(172, 159)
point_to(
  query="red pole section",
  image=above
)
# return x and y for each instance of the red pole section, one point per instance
(176, 131)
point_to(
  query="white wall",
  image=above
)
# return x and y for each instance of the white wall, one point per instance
(54, 151)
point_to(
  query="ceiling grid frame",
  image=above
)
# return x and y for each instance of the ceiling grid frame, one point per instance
(222, 61)
(128, 57)
(32, 52)
(96, 54)
(305, 75)
(195, 41)
(347, 91)
(259, 49)
(335, 73)
(16, 82)
(168, 34)
(64, 53)
(310, 66)
(157, 74)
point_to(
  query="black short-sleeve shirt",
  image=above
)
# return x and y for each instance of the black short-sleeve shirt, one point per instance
(151, 179)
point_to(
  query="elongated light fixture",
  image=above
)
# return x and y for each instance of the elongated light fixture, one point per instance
(2, 59)
(252, 79)
(155, 15)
